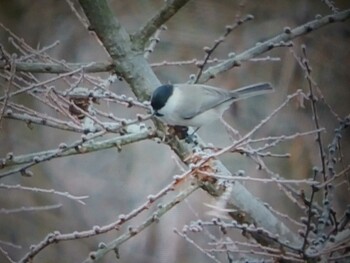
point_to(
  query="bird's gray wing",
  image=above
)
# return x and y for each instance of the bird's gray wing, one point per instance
(200, 98)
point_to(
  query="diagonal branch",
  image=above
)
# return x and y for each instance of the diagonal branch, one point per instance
(171, 8)
(129, 63)
(56, 236)
(271, 43)
(154, 218)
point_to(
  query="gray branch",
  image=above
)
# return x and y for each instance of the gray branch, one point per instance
(114, 244)
(54, 68)
(171, 8)
(129, 63)
(90, 146)
(271, 43)
(61, 125)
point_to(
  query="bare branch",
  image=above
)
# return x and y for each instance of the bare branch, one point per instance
(103, 66)
(6, 255)
(83, 148)
(263, 180)
(47, 191)
(45, 121)
(56, 236)
(7, 89)
(330, 4)
(34, 85)
(153, 42)
(29, 209)
(189, 240)
(133, 231)
(129, 63)
(141, 37)
(269, 44)
(217, 42)
(77, 14)
(53, 68)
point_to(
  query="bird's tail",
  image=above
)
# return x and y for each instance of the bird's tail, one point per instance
(252, 90)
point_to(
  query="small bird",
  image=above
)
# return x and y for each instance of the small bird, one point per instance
(195, 104)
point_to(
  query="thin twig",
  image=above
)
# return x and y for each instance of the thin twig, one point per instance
(55, 237)
(113, 245)
(192, 242)
(7, 89)
(32, 86)
(77, 14)
(153, 42)
(209, 51)
(6, 255)
(47, 191)
(29, 209)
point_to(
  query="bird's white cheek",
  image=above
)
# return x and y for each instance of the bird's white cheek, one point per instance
(167, 116)
(169, 111)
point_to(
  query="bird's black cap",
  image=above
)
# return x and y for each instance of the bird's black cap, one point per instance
(161, 95)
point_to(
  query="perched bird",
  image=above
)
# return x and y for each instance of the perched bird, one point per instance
(196, 105)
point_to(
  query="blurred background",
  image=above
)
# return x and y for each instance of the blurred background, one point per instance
(117, 182)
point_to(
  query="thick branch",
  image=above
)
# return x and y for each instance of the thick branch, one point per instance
(171, 8)
(269, 44)
(91, 146)
(44, 121)
(257, 212)
(129, 63)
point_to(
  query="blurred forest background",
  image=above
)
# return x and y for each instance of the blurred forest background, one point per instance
(117, 182)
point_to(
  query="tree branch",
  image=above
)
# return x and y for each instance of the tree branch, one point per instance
(129, 63)
(39, 67)
(55, 237)
(114, 244)
(90, 146)
(45, 121)
(271, 43)
(171, 8)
